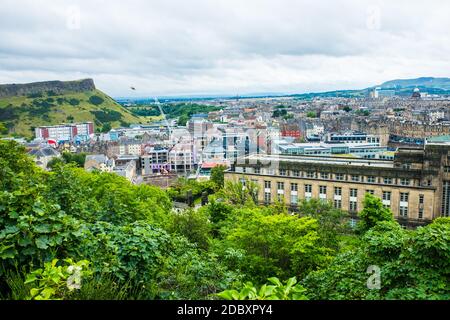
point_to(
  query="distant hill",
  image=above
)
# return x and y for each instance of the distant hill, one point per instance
(332, 94)
(424, 82)
(26, 106)
(401, 87)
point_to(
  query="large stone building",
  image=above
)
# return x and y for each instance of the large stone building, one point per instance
(415, 185)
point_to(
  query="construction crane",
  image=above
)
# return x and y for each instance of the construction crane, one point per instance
(158, 104)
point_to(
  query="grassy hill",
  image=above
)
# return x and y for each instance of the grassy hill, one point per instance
(19, 115)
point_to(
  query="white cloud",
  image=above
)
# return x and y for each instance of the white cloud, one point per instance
(217, 46)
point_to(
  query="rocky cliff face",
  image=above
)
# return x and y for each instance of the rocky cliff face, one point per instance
(57, 87)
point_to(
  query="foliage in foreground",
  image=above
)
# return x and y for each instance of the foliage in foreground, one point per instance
(138, 248)
(412, 264)
(291, 290)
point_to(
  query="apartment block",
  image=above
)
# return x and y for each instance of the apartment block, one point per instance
(64, 132)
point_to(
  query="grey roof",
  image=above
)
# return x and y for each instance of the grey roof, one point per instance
(100, 158)
(44, 152)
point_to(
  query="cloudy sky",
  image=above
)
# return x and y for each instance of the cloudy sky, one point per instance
(184, 47)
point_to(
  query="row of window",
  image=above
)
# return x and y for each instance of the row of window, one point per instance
(337, 176)
(404, 196)
(353, 195)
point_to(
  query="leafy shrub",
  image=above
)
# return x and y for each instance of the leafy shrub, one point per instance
(35, 95)
(108, 287)
(275, 291)
(60, 100)
(373, 212)
(3, 129)
(74, 102)
(106, 128)
(183, 186)
(57, 280)
(194, 225)
(105, 116)
(8, 113)
(413, 265)
(276, 244)
(96, 100)
(77, 158)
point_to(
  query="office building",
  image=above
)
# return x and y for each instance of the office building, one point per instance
(415, 185)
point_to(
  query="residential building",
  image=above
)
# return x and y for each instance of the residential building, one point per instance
(99, 162)
(43, 155)
(181, 158)
(156, 160)
(127, 170)
(64, 132)
(130, 147)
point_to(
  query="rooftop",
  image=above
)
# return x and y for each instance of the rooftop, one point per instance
(358, 162)
(439, 140)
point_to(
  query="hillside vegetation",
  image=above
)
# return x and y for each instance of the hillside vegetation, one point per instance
(19, 115)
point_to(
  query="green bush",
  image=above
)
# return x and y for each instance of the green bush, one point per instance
(274, 291)
(96, 100)
(106, 116)
(74, 102)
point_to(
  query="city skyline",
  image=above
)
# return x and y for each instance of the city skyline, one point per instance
(223, 48)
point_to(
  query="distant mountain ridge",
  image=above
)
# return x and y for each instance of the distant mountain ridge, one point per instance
(402, 87)
(56, 87)
(425, 82)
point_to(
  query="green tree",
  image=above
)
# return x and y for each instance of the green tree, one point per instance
(74, 102)
(33, 228)
(78, 158)
(217, 176)
(413, 264)
(183, 120)
(364, 113)
(240, 193)
(347, 109)
(373, 212)
(3, 129)
(96, 100)
(332, 221)
(106, 127)
(183, 186)
(218, 212)
(193, 224)
(276, 244)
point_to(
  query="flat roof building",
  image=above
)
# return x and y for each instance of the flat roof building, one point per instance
(415, 185)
